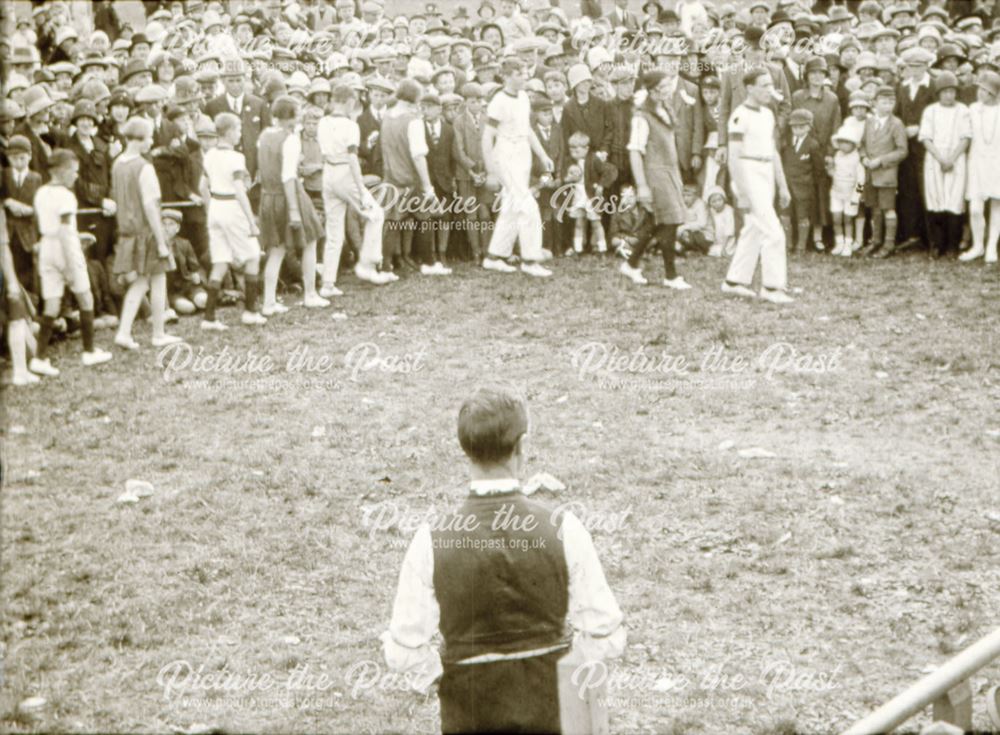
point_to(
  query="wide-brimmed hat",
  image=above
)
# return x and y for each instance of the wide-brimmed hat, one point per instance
(35, 100)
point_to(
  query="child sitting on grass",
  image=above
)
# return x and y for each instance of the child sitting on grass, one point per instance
(186, 292)
(692, 236)
(722, 224)
(630, 224)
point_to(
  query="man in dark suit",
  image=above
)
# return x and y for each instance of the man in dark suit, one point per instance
(621, 17)
(913, 94)
(250, 109)
(802, 161)
(380, 90)
(440, 138)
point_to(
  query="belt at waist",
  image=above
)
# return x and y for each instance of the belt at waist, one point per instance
(760, 159)
(223, 197)
(487, 658)
(335, 163)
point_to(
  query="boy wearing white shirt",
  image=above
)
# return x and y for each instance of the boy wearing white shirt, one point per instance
(61, 261)
(500, 579)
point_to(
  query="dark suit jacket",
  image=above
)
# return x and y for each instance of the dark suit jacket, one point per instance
(595, 172)
(40, 150)
(554, 145)
(631, 23)
(93, 185)
(621, 129)
(370, 152)
(256, 117)
(888, 144)
(440, 158)
(803, 167)
(594, 119)
(689, 123)
(468, 147)
(22, 230)
(794, 84)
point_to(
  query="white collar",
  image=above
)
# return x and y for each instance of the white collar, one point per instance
(493, 487)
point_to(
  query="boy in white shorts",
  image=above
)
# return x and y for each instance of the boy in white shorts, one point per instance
(232, 230)
(61, 262)
(848, 180)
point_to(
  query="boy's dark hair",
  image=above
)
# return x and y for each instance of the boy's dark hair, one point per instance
(284, 107)
(61, 158)
(490, 423)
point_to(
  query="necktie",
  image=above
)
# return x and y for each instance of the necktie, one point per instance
(545, 132)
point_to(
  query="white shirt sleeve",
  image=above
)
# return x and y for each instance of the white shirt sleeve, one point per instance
(415, 616)
(593, 612)
(324, 136)
(291, 152)
(417, 139)
(640, 135)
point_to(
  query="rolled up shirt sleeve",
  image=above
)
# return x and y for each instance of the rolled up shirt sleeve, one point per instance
(639, 136)
(593, 611)
(415, 617)
(417, 139)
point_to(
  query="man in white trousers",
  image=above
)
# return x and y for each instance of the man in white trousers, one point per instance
(755, 169)
(508, 142)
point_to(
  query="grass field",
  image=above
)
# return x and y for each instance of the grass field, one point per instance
(827, 577)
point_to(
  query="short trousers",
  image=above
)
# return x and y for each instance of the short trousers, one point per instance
(229, 238)
(880, 197)
(56, 271)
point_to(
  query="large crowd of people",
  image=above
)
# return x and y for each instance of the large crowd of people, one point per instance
(224, 153)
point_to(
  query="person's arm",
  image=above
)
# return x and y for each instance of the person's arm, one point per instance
(291, 152)
(240, 178)
(539, 150)
(784, 196)
(593, 612)
(901, 148)
(458, 150)
(406, 645)
(698, 132)
(149, 193)
(418, 152)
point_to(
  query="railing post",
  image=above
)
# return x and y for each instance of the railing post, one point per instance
(955, 706)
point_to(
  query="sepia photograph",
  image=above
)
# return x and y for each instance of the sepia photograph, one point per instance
(577, 367)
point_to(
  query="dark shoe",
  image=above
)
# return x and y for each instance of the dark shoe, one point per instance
(870, 249)
(885, 252)
(908, 243)
(408, 262)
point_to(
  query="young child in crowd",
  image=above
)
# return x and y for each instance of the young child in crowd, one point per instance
(232, 229)
(544, 183)
(883, 147)
(470, 169)
(848, 182)
(802, 161)
(589, 176)
(440, 165)
(19, 187)
(692, 235)
(186, 292)
(630, 224)
(722, 223)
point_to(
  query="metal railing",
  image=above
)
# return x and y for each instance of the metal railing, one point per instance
(164, 205)
(947, 689)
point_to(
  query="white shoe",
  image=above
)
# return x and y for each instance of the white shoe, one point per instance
(972, 254)
(315, 301)
(495, 264)
(435, 270)
(535, 269)
(213, 326)
(42, 367)
(633, 274)
(856, 246)
(678, 283)
(96, 357)
(775, 296)
(837, 250)
(715, 251)
(367, 273)
(165, 340)
(127, 343)
(330, 291)
(389, 276)
(111, 320)
(848, 250)
(252, 319)
(170, 316)
(990, 258)
(546, 255)
(28, 378)
(275, 308)
(738, 290)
